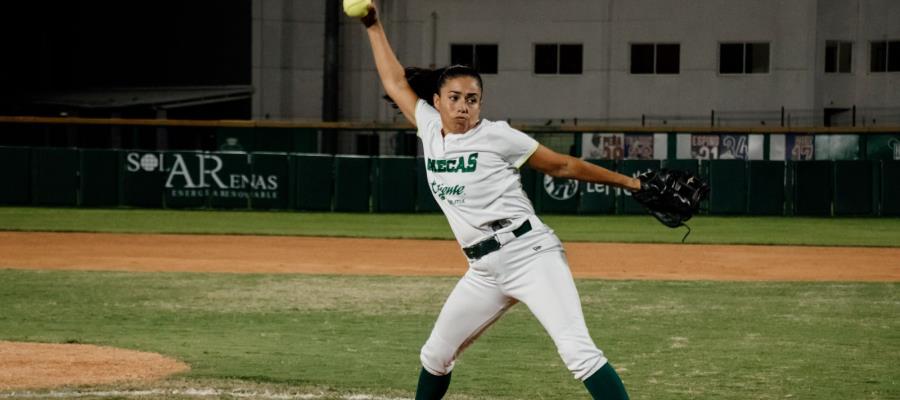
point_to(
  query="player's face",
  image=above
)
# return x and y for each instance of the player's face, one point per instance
(459, 103)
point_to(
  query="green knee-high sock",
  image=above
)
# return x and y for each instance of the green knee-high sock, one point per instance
(606, 385)
(432, 387)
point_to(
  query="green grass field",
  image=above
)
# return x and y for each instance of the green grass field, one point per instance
(670, 340)
(354, 335)
(637, 229)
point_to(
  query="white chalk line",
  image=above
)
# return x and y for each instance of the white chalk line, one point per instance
(191, 393)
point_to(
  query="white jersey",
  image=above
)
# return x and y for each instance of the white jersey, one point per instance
(474, 176)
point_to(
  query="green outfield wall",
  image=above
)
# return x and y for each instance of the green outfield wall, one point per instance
(318, 182)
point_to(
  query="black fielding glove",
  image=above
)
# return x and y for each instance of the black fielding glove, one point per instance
(672, 196)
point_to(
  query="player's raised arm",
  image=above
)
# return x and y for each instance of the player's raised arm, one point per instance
(390, 70)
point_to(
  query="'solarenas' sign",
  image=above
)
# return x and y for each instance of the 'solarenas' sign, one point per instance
(194, 175)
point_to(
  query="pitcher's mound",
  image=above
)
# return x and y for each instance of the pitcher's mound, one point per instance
(38, 366)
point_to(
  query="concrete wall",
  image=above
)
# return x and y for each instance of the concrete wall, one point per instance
(288, 51)
(860, 22)
(289, 35)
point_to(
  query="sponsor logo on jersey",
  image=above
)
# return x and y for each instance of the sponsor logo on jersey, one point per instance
(443, 191)
(464, 164)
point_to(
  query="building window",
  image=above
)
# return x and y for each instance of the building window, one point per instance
(743, 58)
(570, 59)
(482, 57)
(838, 56)
(655, 58)
(885, 56)
(564, 59)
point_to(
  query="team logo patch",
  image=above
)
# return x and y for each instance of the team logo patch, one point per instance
(560, 189)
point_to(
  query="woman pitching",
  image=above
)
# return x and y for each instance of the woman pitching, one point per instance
(473, 172)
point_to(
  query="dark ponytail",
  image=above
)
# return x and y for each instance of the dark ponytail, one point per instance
(426, 82)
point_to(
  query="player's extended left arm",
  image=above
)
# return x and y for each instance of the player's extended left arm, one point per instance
(564, 166)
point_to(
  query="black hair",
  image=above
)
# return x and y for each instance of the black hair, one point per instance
(426, 82)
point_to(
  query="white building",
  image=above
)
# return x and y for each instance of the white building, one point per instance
(667, 60)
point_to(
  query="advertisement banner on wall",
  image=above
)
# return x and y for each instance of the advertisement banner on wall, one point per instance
(704, 147)
(883, 147)
(724, 146)
(837, 147)
(800, 147)
(603, 146)
(190, 179)
(639, 146)
(895, 144)
(733, 146)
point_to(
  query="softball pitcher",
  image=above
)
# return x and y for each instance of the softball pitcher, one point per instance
(473, 172)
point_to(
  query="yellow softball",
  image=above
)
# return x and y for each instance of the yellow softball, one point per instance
(356, 8)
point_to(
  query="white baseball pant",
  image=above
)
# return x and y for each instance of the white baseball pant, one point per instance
(531, 269)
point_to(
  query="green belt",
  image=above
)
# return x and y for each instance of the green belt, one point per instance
(491, 244)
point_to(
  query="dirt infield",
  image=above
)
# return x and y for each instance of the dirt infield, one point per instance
(37, 365)
(24, 365)
(279, 254)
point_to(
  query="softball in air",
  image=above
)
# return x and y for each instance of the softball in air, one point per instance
(356, 8)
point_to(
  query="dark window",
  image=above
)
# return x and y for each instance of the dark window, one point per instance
(756, 60)
(668, 58)
(743, 58)
(831, 56)
(838, 56)
(545, 58)
(893, 56)
(486, 58)
(731, 58)
(845, 57)
(462, 54)
(482, 57)
(642, 59)
(655, 58)
(558, 58)
(570, 56)
(878, 53)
